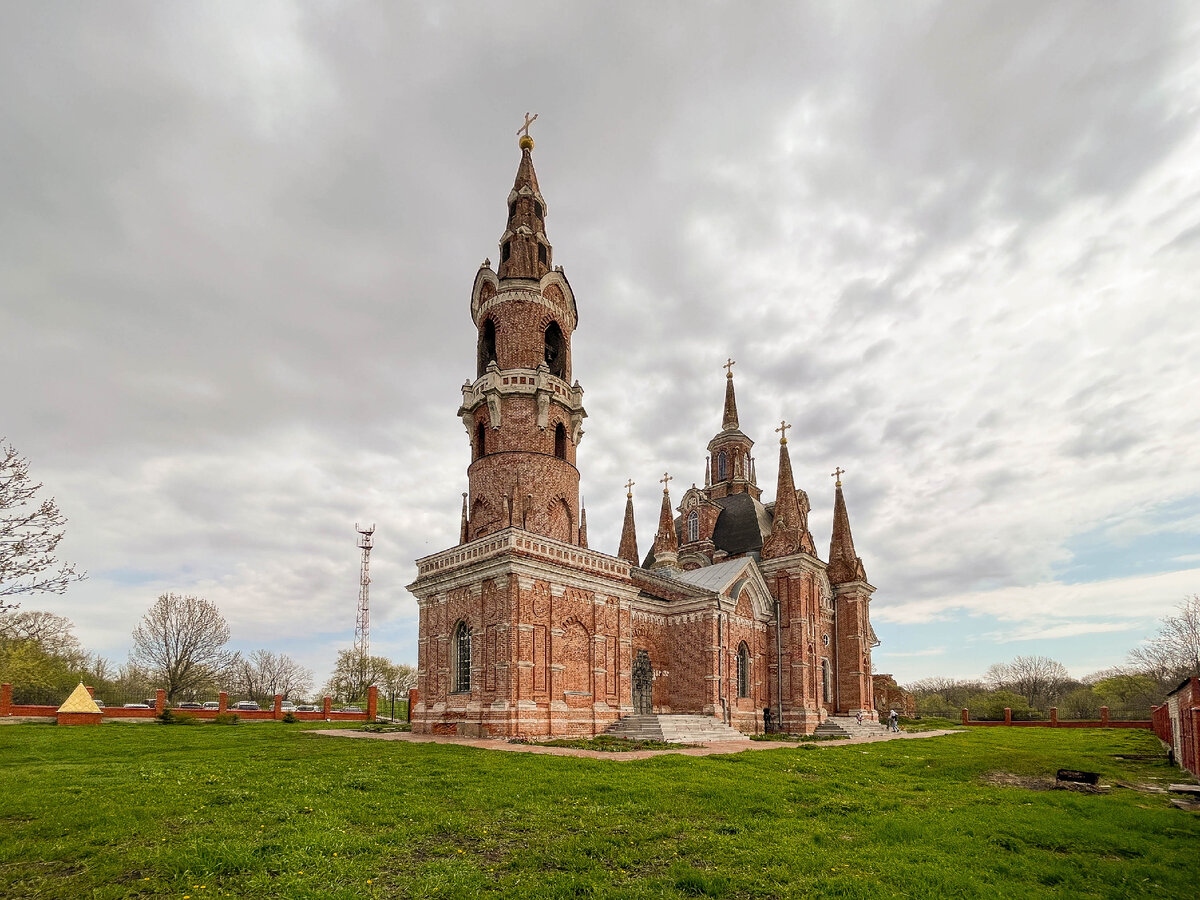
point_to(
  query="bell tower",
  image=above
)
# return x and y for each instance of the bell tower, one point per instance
(522, 412)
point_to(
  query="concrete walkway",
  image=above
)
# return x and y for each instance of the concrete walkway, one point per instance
(704, 750)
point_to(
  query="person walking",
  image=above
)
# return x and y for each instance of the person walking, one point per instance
(893, 721)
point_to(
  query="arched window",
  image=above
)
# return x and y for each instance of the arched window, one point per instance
(722, 466)
(537, 209)
(743, 670)
(542, 257)
(487, 346)
(460, 665)
(505, 251)
(826, 682)
(480, 439)
(556, 351)
(693, 526)
(560, 441)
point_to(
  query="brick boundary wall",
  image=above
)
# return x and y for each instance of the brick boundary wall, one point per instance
(1186, 744)
(1054, 722)
(327, 713)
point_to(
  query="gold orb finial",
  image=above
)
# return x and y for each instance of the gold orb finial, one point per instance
(526, 142)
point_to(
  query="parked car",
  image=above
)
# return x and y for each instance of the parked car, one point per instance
(246, 706)
(211, 704)
(136, 706)
(99, 703)
(287, 706)
(190, 704)
(307, 707)
(357, 709)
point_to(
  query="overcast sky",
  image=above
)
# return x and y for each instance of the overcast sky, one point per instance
(955, 245)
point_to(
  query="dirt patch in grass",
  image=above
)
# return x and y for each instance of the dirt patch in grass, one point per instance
(603, 743)
(1040, 783)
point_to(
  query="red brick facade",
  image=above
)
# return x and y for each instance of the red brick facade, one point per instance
(525, 631)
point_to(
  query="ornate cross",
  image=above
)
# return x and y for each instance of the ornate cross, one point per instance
(629, 487)
(838, 473)
(528, 121)
(663, 481)
(728, 367)
(782, 429)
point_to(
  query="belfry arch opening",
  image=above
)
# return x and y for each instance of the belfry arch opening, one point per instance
(556, 351)
(487, 346)
(480, 439)
(560, 441)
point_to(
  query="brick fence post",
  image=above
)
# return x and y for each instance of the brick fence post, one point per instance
(160, 701)
(1054, 715)
(222, 702)
(5, 699)
(328, 706)
(412, 701)
(1104, 717)
(277, 707)
(966, 714)
(372, 702)
(1008, 715)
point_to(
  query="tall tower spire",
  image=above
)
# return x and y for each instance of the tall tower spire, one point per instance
(729, 420)
(787, 526)
(525, 251)
(844, 563)
(629, 549)
(666, 544)
(730, 469)
(523, 415)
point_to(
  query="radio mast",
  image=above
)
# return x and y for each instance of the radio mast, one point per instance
(362, 623)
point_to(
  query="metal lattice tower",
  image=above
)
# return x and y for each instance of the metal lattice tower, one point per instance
(362, 623)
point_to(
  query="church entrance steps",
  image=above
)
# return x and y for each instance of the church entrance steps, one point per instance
(848, 727)
(674, 728)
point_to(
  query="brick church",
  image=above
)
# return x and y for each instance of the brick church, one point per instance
(525, 630)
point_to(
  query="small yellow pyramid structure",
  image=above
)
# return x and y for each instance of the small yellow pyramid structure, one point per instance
(80, 701)
(79, 709)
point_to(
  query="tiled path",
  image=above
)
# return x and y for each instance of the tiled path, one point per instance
(705, 750)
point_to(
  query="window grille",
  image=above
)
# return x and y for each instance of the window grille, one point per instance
(462, 658)
(743, 670)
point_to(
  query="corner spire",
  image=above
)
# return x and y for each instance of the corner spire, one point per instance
(787, 526)
(844, 563)
(582, 525)
(666, 544)
(462, 529)
(629, 549)
(729, 421)
(525, 251)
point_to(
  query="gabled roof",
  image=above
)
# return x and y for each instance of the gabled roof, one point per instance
(715, 578)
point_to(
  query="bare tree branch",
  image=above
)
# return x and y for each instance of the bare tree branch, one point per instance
(29, 533)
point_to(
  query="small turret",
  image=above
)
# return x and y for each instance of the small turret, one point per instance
(666, 544)
(629, 549)
(844, 563)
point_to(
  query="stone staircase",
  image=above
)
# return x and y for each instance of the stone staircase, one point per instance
(848, 727)
(675, 728)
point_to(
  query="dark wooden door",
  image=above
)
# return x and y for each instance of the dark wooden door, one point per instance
(643, 684)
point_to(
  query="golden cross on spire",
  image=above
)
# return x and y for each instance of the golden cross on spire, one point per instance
(838, 473)
(524, 129)
(629, 488)
(663, 481)
(728, 367)
(782, 429)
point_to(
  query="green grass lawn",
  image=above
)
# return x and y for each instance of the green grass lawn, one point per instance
(269, 810)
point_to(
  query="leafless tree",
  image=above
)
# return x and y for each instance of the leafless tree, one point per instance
(181, 641)
(262, 674)
(29, 533)
(1039, 679)
(354, 673)
(1174, 653)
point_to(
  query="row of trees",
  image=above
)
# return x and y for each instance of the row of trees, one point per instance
(1031, 685)
(180, 645)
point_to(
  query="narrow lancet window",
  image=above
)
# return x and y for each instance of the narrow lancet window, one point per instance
(560, 441)
(743, 664)
(461, 670)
